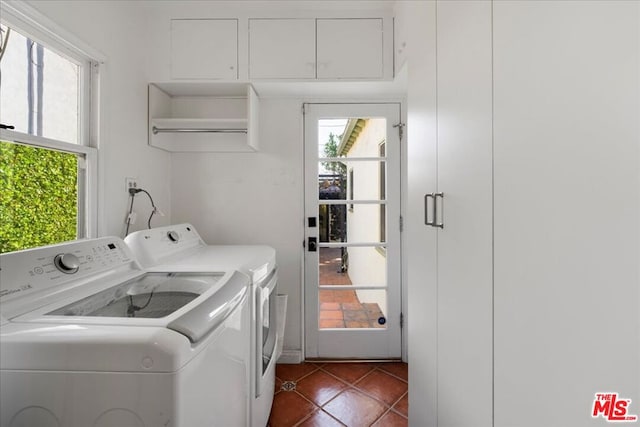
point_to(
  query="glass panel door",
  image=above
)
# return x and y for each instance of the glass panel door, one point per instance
(352, 260)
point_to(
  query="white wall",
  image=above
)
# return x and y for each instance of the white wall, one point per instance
(118, 31)
(367, 265)
(252, 198)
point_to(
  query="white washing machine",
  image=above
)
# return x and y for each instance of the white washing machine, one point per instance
(180, 248)
(88, 338)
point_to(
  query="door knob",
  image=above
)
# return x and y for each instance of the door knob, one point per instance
(312, 244)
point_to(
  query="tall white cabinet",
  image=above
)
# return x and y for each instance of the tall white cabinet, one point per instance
(421, 241)
(455, 283)
(567, 209)
(464, 271)
(525, 304)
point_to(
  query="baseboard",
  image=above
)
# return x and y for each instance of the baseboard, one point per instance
(291, 357)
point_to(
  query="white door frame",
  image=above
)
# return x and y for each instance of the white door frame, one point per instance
(372, 343)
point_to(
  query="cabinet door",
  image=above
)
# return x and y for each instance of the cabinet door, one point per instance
(464, 244)
(421, 250)
(567, 209)
(204, 49)
(400, 36)
(350, 48)
(282, 48)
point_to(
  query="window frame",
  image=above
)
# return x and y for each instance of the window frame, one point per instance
(33, 24)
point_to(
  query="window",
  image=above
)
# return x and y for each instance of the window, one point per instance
(47, 166)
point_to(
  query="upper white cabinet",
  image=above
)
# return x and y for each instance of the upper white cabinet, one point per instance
(350, 48)
(204, 49)
(400, 37)
(323, 49)
(282, 48)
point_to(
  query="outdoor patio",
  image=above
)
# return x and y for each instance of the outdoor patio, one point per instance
(341, 308)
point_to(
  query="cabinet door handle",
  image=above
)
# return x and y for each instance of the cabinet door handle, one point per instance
(435, 210)
(426, 209)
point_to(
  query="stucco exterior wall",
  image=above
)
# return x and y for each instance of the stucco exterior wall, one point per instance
(367, 265)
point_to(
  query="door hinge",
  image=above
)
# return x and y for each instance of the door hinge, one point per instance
(401, 224)
(400, 127)
(401, 320)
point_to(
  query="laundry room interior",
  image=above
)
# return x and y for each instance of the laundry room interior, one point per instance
(320, 213)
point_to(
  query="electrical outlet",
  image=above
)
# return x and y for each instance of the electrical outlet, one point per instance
(130, 183)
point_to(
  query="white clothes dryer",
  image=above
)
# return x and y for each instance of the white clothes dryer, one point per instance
(88, 338)
(180, 248)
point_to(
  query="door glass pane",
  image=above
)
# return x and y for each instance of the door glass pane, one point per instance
(39, 89)
(355, 265)
(351, 137)
(38, 196)
(351, 308)
(354, 180)
(357, 223)
(332, 224)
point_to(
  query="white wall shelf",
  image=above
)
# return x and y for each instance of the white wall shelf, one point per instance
(203, 117)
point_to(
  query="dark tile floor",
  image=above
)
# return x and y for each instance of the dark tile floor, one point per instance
(340, 394)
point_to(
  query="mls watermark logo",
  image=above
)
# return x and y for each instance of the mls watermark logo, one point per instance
(612, 408)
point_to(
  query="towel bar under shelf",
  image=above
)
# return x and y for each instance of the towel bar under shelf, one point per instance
(157, 130)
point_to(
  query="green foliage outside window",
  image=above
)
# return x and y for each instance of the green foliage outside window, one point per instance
(38, 196)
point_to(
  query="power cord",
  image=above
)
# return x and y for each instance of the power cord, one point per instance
(132, 194)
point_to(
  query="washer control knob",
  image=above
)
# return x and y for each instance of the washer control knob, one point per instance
(67, 263)
(173, 236)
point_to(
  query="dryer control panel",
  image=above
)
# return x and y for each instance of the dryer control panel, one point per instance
(159, 245)
(41, 270)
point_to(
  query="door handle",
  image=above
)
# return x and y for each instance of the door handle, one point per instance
(435, 210)
(426, 210)
(312, 244)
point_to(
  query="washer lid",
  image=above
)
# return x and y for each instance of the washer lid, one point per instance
(160, 295)
(149, 296)
(75, 334)
(208, 315)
